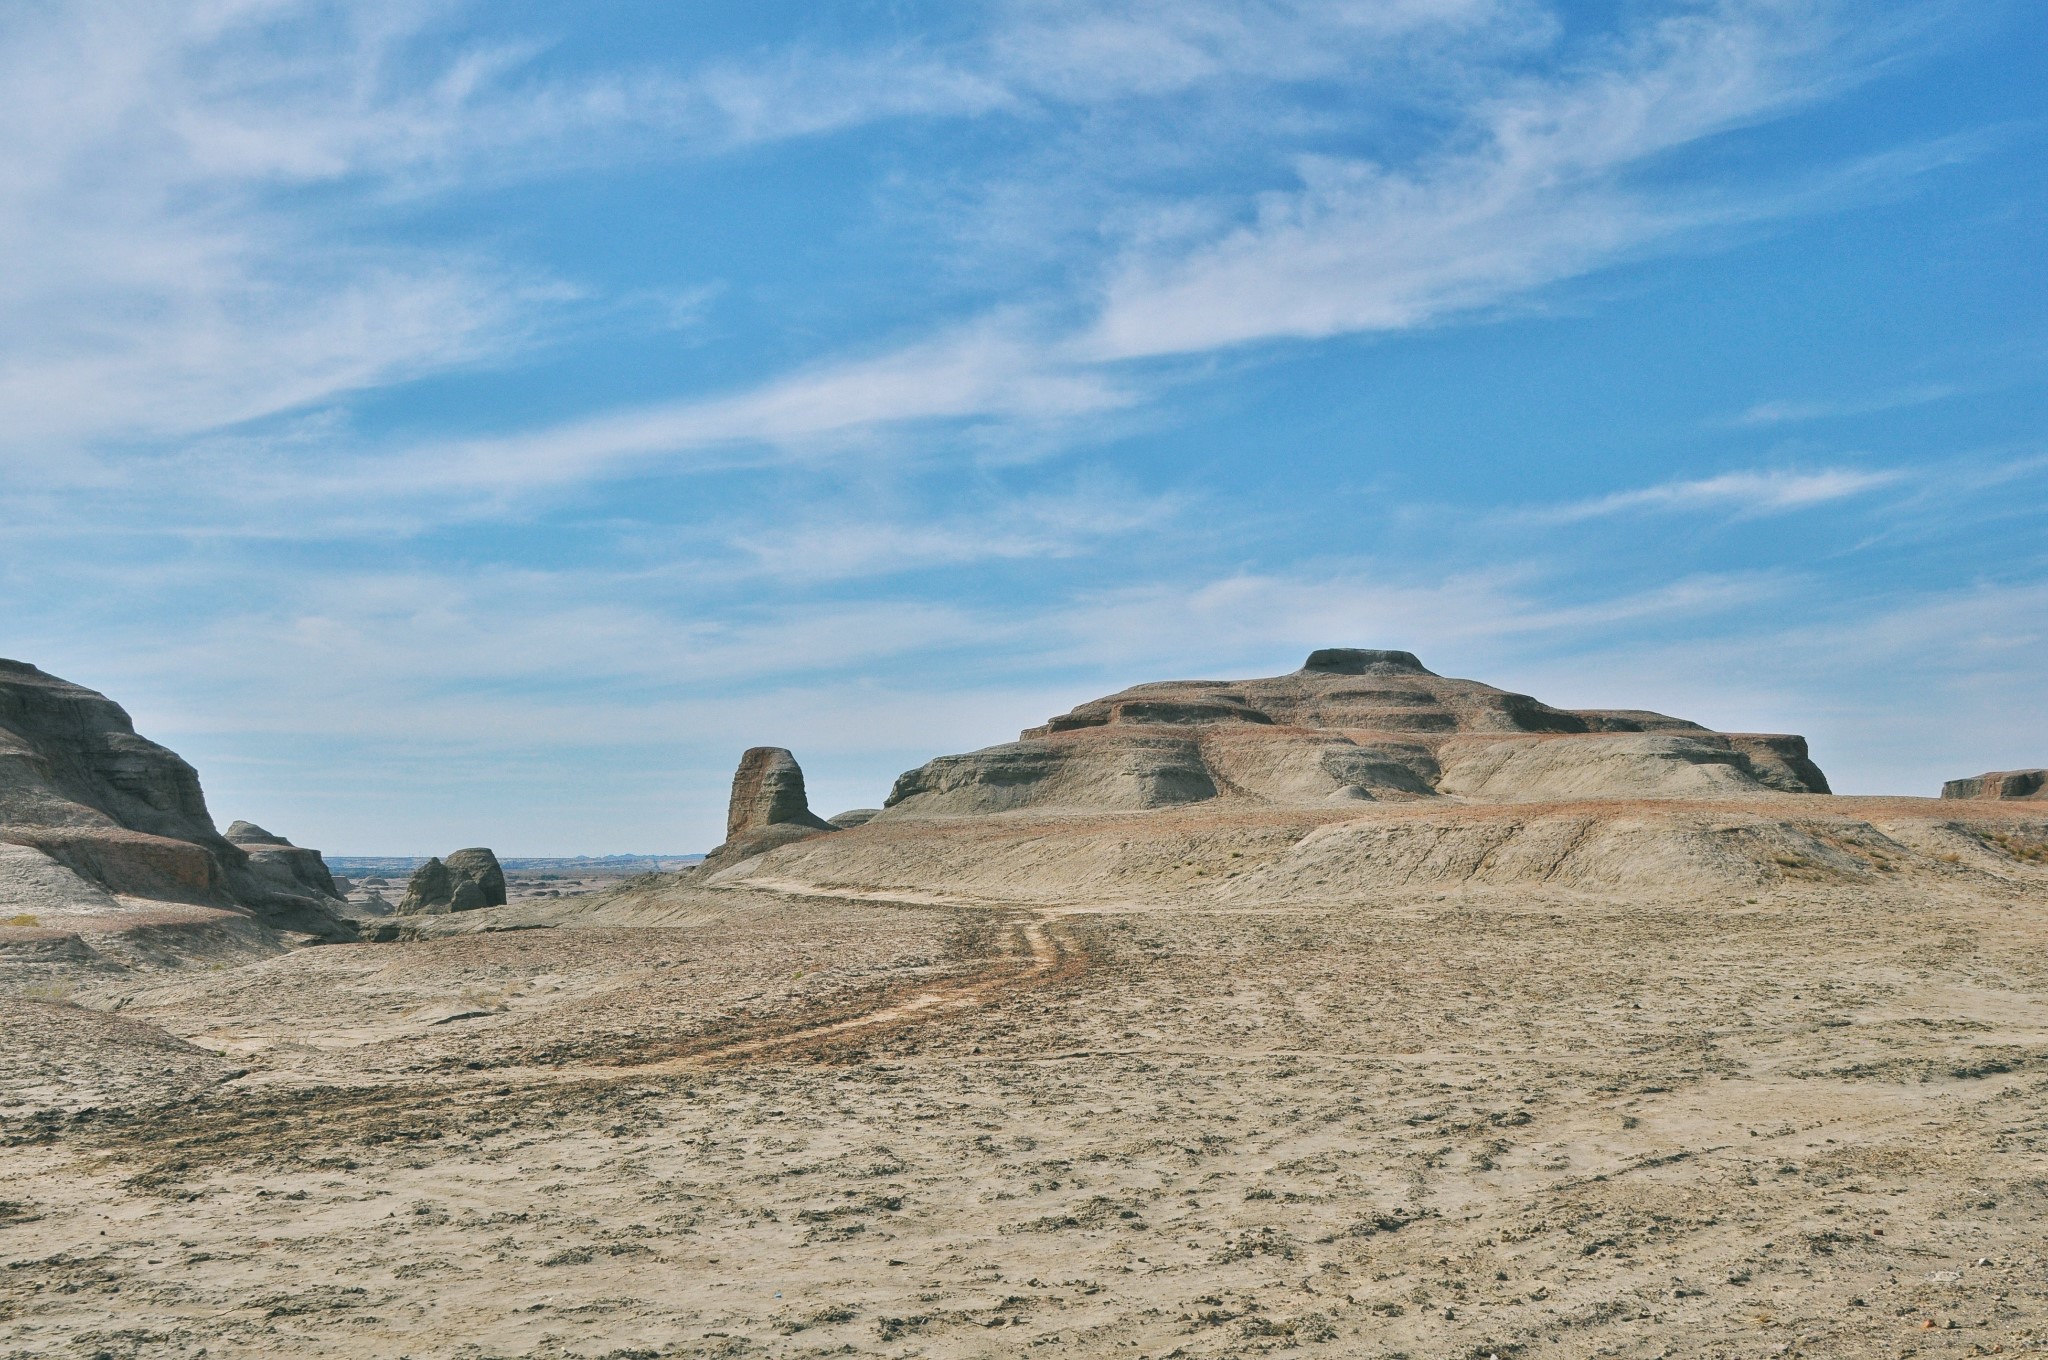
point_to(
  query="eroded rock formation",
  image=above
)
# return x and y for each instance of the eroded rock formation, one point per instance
(480, 866)
(465, 881)
(2000, 784)
(1350, 725)
(106, 816)
(288, 870)
(768, 808)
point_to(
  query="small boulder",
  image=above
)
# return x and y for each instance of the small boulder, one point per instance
(467, 895)
(2031, 785)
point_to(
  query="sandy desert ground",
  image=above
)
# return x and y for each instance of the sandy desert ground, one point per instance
(1220, 1107)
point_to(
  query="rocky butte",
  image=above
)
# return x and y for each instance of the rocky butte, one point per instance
(103, 831)
(768, 807)
(467, 880)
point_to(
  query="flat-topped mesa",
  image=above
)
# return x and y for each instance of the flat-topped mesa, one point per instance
(2027, 785)
(1364, 661)
(1351, 724)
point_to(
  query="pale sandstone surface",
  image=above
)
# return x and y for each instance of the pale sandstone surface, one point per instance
(1794, 1106)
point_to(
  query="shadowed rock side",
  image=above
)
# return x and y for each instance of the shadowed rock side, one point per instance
(481, 866)
(287, 870)
(768, 809)
(2000, 784)
(106, 815)
(466, 881)
(1351, 725)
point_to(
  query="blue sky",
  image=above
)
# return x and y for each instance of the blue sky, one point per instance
(452, 424)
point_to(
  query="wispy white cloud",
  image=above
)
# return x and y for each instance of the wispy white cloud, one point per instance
(203, 216)
(1786, 411)
(978, 373)
(157, 284)
(1533, 190)
(1741, 493)
(846, 542)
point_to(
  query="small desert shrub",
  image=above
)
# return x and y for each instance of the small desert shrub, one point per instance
(24, 920)
(2019, 847)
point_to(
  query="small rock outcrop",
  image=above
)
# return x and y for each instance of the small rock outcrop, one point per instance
(465, 881)
(768, 807)
(105, 815)
(2000, 784)
(428, 892)
(853, 817)
(1352, 724)
(479, 865)
(768, 790)
(289, 870)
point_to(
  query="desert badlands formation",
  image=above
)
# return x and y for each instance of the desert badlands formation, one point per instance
(1358, 1011)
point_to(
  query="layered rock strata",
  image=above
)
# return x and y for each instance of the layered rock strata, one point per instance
(2001, 785)
(768, 808)
(1351, 725)
(122, 817)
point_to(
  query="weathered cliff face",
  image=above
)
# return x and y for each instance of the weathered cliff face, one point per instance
(126, 816)
(2000, 785)
(1350, 725)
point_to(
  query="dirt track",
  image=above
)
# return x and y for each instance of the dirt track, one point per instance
(1805, 1120)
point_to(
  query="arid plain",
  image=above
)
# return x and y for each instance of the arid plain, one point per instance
(1419, 1076)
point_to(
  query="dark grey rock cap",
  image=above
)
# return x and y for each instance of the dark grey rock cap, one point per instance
(1363, 661)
